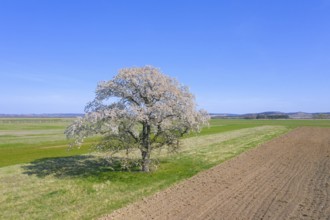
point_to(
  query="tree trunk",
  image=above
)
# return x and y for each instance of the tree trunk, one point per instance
(146, 148)
(145, 161)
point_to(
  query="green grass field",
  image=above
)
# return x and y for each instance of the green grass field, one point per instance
(40, 179)
(25, 140)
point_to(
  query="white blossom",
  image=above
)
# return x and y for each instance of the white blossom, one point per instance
(152, 111)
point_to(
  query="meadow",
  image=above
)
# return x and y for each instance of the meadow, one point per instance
(40, 178)
(24, 140)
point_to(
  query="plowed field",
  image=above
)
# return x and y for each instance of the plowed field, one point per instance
(287, 178)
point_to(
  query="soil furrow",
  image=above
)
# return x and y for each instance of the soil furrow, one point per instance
(286, 178)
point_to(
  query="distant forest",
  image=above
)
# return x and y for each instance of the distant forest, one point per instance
(275, 115)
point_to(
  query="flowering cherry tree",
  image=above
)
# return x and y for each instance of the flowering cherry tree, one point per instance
(139, 108)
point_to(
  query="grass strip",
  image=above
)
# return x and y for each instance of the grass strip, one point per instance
(84, 187)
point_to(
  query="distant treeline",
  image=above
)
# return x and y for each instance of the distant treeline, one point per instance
(274, 115)
(59, 115)
(34, 120)
(321, 116)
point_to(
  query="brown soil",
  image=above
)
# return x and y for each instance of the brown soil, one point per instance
(287, 178)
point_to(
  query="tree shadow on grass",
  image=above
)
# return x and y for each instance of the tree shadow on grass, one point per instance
(74, 166)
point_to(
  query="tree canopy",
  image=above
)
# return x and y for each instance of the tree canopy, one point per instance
(139, 108)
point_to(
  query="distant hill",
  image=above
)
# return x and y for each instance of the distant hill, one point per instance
(275, 115)
(261, 115)
(58, 115)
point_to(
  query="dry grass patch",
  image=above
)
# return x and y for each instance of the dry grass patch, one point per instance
(85, 187)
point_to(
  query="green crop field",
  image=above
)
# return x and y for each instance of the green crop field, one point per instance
(41, 179)
(24, 140)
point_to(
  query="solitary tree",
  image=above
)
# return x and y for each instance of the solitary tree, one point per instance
(139, 108)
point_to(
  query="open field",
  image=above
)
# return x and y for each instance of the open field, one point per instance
(287, 178)
(61, 184)
(24, 140)
(83, 187)
(220, 125)
(27, 139)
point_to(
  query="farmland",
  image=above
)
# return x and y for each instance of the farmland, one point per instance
(27, 139)
(24, 140)
(286, 178)
(41, 179)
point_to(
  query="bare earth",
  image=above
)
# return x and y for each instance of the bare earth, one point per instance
(287, 178)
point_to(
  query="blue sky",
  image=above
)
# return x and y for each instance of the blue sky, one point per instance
(236, 56)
